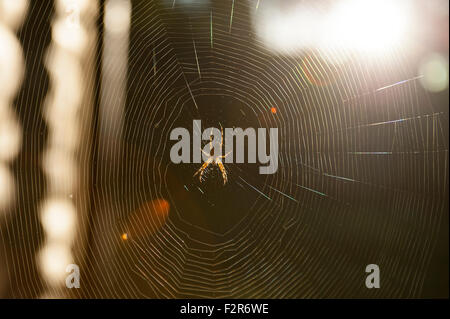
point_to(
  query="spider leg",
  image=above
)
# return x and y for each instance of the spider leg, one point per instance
(201, 170)
(221, 142)
(223, 171)
(223, 156)
(209, 155)
(201, 174)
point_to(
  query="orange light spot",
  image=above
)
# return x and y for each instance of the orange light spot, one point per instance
(124, 236)
(148, 218)
(273, 110)
(161, 207)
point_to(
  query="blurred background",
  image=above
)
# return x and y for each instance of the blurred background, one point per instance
(90, 91)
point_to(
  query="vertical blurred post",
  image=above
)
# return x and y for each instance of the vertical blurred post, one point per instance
(12, 14)
(70, 62)
(113, 93)
(117, 19)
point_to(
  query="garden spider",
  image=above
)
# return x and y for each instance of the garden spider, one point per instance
(214, 160)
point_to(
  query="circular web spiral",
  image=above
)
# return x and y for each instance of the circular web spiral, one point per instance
(362, 176)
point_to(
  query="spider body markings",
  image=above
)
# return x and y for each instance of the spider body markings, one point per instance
(214, 160)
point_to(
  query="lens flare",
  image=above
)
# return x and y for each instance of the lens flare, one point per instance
(147, 219)
(369, 25)
(434, 69)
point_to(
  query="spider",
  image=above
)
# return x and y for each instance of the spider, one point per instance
(214, 160)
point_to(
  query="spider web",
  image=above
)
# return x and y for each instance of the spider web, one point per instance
(362, 175)
(362, 167)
